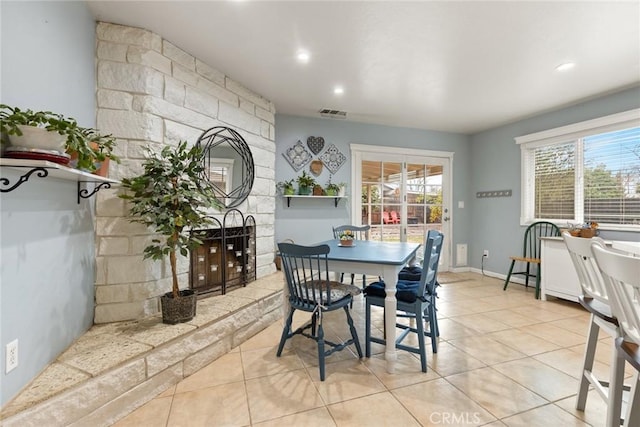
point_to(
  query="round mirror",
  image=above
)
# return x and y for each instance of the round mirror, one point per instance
(228, 165)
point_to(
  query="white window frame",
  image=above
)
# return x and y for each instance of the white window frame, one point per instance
(573, 132)
(226, 164)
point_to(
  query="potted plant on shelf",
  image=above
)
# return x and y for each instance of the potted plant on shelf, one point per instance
(286, 187)
(332, 189)
(305, 184)
(54, 137)
(92, 151)
(170, 196)
(346, 238)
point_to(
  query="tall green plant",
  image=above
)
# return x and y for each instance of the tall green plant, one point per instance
(170, 197)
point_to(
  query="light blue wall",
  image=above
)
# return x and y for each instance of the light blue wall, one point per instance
(47, 274)
(496, 166)
(45, 58)
(488, 160)
(309, 221)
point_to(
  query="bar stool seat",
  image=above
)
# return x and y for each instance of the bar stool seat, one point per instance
(595, 300)
(621, 275)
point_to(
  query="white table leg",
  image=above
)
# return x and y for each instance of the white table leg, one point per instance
(390, 306)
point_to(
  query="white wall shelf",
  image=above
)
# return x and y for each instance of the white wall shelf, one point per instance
(336, 199)
(44, 169)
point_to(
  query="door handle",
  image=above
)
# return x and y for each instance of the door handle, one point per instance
(446, 218)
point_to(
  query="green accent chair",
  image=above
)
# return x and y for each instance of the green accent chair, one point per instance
(531, 252)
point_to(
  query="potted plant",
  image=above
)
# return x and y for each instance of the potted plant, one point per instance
(91, 151)
(305, 184)
(53, 132)
(332, 189)
(346, 238)
(170, 196)
(286, 187)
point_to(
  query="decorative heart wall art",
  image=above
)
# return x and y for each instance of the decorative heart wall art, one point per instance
(333, 158)
(297, 156)
(315, 144)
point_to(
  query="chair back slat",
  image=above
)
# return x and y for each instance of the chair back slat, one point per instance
(360, 232)
(589, 275)
(307, 273)
(621, 273)
(532, 237)
(432, 249)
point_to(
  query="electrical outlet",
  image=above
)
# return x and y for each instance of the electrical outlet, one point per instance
(485, 254)
(11, 356)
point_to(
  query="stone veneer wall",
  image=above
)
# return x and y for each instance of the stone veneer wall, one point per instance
(150, 93)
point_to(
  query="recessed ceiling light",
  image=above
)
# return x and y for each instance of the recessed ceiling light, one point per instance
(566, 66)
(338, 90)
(303, 56)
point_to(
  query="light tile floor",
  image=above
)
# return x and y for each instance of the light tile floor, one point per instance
(504, 359)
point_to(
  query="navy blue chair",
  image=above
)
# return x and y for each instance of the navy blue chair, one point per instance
(307, 275)
(412, 273)
(414, 299)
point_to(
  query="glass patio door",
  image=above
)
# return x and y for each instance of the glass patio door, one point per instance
(381, 199)
(402, 196)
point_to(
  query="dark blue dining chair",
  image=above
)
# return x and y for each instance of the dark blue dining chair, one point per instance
(414, 299)
(307, 275)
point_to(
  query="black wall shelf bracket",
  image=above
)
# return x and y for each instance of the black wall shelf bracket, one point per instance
(85, 194)
(43, 169)
(40, 173)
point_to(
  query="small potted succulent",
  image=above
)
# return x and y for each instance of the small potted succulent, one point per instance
(305, 184)
(346, 238)
(54, 133)
(286, 187)
(332, 189)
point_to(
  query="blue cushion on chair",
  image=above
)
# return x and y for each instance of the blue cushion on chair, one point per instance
(406, 290)
(411, 273)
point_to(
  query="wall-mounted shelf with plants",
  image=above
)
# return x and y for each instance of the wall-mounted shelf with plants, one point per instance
(52, 137)
(44, 169)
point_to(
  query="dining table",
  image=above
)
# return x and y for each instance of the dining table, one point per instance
(376, 258)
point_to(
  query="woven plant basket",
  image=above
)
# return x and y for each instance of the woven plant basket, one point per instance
(588, 233)
(178, 310)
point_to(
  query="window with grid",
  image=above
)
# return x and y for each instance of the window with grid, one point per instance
(587, 172)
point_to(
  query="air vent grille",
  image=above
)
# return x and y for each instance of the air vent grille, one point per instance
(333, 114)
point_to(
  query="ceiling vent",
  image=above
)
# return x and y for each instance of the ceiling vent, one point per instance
(333, 114)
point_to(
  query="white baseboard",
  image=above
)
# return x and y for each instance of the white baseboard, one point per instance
(514, 279)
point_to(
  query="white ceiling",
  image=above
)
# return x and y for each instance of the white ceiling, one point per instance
(449, 66)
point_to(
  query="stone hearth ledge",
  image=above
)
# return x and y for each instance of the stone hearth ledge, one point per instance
(115, 368)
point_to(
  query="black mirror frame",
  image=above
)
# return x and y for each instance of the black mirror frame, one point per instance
(212, 138)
